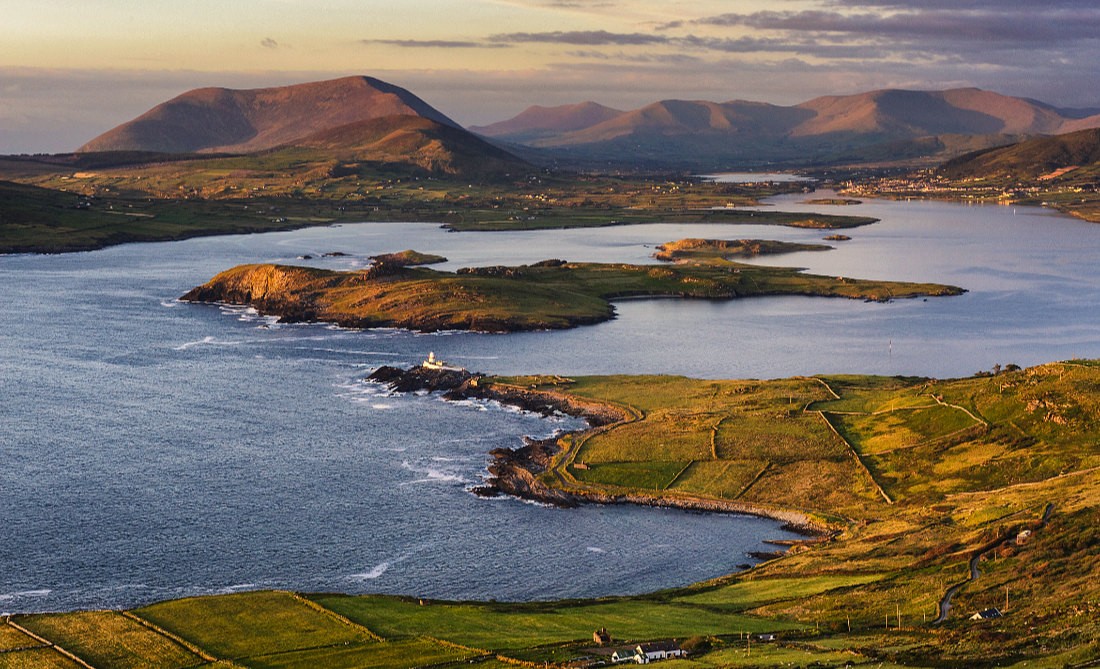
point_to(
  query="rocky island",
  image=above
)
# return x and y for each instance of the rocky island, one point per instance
(551, 294)
(707, 250)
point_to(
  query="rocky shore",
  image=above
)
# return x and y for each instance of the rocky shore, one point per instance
(518, 472)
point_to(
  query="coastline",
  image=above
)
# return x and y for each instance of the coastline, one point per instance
(517, 472)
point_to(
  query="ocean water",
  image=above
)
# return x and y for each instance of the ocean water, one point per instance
(153, 449)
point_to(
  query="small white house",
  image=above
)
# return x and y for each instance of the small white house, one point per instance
(648, 652)
(987, 614)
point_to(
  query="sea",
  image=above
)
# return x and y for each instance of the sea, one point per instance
(153, 449)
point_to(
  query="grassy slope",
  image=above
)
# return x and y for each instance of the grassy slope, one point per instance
(834, 603)
(40, 220)
(514, 298)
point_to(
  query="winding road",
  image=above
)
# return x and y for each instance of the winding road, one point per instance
(945, 601)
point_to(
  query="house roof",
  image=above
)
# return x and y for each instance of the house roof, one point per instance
(986, 614)
(658, 646)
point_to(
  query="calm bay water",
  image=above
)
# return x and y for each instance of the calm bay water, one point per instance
(153, 449)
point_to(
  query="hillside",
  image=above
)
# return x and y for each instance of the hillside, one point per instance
(245, 121)
(871, 126)
(435, 147)
(1063, 156)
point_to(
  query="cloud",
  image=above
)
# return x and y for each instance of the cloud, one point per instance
(269, 43)
(582, 6)
(988, 26)
(581, 38)
(436, 44)
(742, 45)
(1002, 5)
(591, 54)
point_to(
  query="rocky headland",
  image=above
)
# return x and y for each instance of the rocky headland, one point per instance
(522, 472)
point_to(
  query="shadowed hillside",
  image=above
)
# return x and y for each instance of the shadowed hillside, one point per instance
(1038, 158)
(435, 147)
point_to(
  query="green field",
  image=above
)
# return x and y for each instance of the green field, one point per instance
(107, 638)
(245, 625)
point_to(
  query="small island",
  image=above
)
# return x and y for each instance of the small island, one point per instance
(552, 294)
(709, 250)
(408, 258)
(834, 201)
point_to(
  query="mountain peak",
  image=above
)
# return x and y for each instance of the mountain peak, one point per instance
(243, 121)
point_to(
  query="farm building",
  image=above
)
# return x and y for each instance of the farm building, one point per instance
(648, 652)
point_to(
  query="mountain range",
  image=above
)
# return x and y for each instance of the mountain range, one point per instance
(365, 119)
(868, 126)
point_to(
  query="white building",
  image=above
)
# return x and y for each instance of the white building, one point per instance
(648, 652)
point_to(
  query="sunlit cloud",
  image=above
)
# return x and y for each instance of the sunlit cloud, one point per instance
(580, 38)
(1025, 26)
(436, 44)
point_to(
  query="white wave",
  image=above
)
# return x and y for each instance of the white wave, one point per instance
(169, 304)
(347, 351)
(230, 589)
(374, 572)
(381, 406)
(207, 341)
(20, 594)
(595, 549)
(432, 475)
(237, 310)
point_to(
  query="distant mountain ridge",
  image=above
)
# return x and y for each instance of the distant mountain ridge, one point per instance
(245, 121)
(537, 121)
(825, 128)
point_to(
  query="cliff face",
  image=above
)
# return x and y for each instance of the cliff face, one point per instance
(271, 289)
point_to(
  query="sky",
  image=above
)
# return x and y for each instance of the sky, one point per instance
(72, 69)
